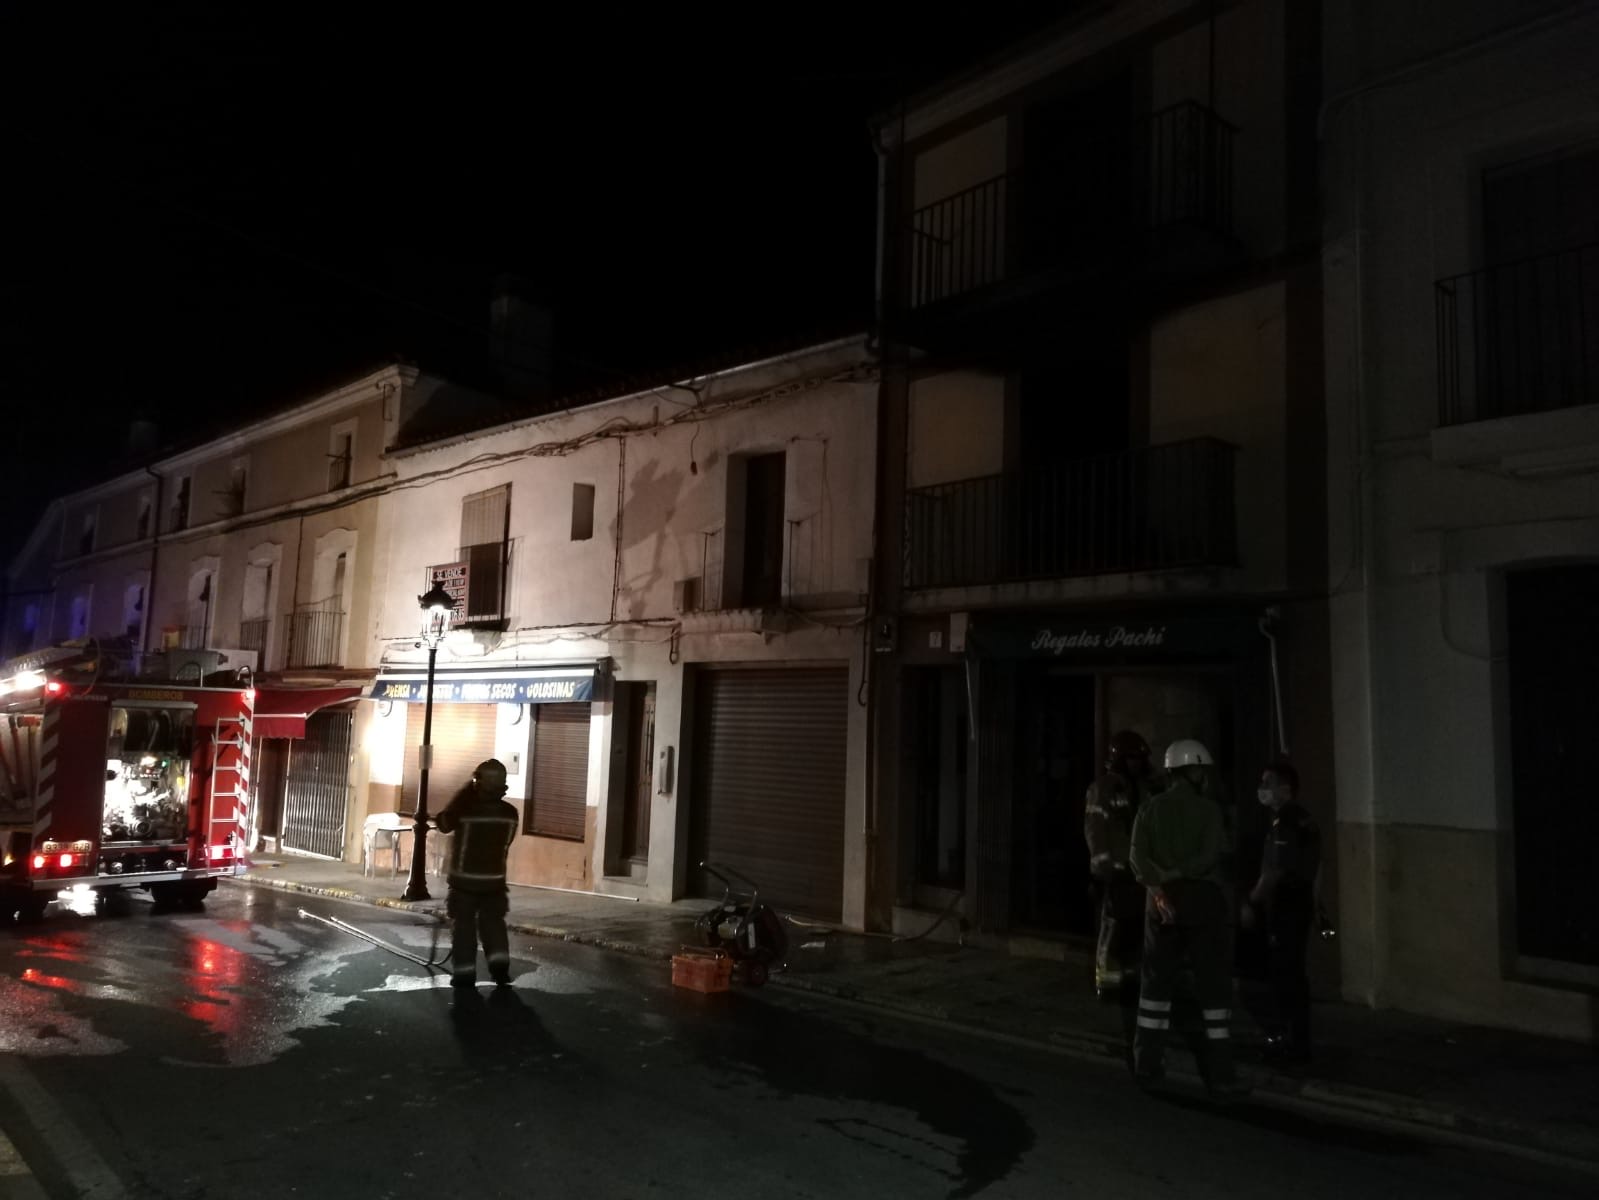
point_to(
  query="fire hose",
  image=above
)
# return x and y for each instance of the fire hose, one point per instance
(431, 964)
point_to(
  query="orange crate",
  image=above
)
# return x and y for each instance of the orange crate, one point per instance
(702, 970)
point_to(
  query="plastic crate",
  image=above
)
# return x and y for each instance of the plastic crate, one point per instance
(702, 970)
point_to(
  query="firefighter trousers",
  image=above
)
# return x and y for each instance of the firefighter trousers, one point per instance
(1121, 933)
(1201, 938)
(475, 915)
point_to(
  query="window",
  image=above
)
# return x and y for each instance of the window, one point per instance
(197, 632)
(582, 511)
(86, 534)
(763, 530)
(238, 485)
(558, 804)
(79, 627)
(485, 533)
(133, 612)
(144, 516)
(180, 504)
(341, 457)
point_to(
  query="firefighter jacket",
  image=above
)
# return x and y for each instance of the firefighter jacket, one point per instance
(483, 829)
(1178, 836)
(1108, 813)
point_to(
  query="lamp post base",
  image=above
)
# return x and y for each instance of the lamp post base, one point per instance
(414, 892)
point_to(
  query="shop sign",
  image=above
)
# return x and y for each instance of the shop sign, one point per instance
(1061, 638)
(573, 686)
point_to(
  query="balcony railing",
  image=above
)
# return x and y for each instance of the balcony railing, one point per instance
(253, 634)
(314, 638)
(1178, 174)
(1156, 508)
(1519, 338)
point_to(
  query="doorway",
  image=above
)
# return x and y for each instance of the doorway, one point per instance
(1055, 762)
(640, 710)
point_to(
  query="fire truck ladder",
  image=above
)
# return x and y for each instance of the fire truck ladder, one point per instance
(239, 792)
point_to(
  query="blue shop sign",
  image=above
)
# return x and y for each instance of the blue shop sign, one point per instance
(562, 685)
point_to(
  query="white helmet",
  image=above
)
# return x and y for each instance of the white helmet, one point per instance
(1188, 753)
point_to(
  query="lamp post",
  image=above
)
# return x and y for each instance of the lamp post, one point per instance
(436, 608)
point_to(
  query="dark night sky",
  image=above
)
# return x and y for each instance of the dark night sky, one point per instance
(215, 215)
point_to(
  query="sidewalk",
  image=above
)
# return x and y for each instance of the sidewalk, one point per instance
(1510, 1090)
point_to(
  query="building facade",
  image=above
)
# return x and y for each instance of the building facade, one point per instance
(1102, 449)
(659, 629)
(1462, 333)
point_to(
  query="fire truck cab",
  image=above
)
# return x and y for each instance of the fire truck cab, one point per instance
(137, 783)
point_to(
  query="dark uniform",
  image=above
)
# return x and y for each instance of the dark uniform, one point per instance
(483, 825)
(1286, 893)
(1177, 848)
(1112, 804)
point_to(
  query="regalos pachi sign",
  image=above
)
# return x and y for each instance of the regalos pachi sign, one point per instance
(1060, 638)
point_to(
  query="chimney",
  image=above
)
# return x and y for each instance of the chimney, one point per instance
(143, 437)
(521, 328)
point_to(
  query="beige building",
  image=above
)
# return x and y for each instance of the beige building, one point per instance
(1462, 333)
(659, 630)
(251, 550)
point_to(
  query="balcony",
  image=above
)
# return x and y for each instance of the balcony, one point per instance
(314, 637)
(1160, 202)
(1519, 339)
(253, 634)
(1152, 509)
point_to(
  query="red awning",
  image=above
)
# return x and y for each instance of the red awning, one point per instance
(281, 712)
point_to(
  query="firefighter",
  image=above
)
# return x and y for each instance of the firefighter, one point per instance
(1113, 801)
(1282, 902)
(1176, 855)
(484, 826)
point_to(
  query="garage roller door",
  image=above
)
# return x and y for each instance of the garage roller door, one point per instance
(462, 737)
(769, 753)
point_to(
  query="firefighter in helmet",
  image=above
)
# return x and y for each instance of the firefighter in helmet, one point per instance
(1113, 802)
(1176, 854)
(483, 825)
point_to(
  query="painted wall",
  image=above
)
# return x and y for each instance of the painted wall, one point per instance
(1418, 543)
(671, 476)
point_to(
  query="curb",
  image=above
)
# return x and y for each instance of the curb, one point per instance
(1574, 1149)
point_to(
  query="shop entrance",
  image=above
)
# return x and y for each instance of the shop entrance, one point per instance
(1063, 722)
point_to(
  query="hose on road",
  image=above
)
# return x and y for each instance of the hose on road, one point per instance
(431, 964)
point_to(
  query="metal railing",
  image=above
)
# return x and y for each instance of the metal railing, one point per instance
(1155, 508)
(1519, 338)
(1179, 174)
(253, 634)
(314, 638)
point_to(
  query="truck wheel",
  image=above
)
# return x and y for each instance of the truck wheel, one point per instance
(30, 907)
(165, 896)
(192, 896)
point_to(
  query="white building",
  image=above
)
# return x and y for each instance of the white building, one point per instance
(660, 630)
(1462, 341)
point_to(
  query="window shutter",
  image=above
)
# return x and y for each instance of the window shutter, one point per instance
(485, 530)
(560, 771)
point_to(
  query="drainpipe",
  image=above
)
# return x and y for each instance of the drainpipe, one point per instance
(155, 550)
(1266, 625)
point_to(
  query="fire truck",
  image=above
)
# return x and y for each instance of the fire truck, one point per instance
(116, 785)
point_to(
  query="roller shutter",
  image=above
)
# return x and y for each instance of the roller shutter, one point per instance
(560, 771)
(463, 736)
(769, 758)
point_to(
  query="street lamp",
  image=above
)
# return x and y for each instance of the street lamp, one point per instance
(436, 608)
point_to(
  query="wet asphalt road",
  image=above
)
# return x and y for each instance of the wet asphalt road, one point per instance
(247, 1051)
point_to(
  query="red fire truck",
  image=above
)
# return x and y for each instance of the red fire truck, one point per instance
(119, 785)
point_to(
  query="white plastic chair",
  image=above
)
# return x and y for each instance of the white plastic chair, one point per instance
(382, 825)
